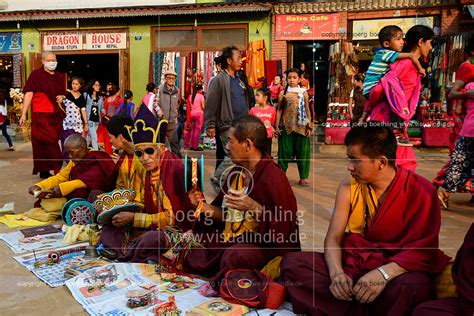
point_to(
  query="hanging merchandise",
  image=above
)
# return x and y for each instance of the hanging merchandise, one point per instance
(191, 68)
(343, 66)
(256, 57)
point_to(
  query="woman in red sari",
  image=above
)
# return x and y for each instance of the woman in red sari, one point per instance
(390, 107)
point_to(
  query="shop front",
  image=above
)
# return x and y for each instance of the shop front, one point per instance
(90, 54)
(308, 38)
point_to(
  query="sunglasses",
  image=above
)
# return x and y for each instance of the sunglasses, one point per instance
(149, 151)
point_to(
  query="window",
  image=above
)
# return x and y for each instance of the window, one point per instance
(200, 38)
(176, 38)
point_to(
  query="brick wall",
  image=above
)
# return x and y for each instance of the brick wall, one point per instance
(279, 48)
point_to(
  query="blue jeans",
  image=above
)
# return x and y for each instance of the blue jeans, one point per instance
(5, 133)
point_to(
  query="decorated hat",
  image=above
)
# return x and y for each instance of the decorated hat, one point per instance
(120, 200)
(147, 129)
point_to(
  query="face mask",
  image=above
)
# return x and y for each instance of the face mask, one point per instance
(50, 65)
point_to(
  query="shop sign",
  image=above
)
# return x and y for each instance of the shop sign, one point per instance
(10, 42)
(62, 41)
(307, 27)
(96, 41)
(369, 29)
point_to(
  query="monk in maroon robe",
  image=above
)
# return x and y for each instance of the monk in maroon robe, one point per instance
(41, 91)
(267, 224)
(86, 172)
(385, 263)
(463, 277)
(137, 237)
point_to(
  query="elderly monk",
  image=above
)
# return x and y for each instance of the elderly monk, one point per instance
(136, 236)
(86, 171)
(129, 172)
(463, 277)
(381, 247)
(43, 90)
(253, 219)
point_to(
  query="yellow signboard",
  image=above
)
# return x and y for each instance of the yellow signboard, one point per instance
(369, 29)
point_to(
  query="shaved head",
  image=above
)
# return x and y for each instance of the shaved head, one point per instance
(251, 127)
(75, 141)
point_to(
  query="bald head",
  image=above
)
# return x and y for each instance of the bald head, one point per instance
(76, 141)
(76, 147)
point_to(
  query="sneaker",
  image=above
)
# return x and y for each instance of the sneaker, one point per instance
(404, 142)
(11, 148)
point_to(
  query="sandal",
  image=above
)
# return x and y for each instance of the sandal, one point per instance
(303, 183)
(444, 199)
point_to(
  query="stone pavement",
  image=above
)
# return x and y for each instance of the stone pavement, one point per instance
(22, 293)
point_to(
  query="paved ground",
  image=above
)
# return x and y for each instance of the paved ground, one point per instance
(22, 293)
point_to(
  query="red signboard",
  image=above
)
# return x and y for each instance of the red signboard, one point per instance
(307, 27)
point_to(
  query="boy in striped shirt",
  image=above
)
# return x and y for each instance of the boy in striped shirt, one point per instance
(391, 40)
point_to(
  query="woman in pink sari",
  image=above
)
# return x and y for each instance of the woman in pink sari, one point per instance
(395, 98)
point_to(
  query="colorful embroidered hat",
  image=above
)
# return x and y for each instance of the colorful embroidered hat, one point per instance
(120, 200)
(147, 129)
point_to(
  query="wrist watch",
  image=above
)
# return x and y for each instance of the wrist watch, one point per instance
(384, 274)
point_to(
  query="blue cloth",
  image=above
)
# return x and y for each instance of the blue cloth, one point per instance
(238, 99)
(378, 67)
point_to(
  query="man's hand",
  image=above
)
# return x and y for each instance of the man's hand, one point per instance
(33, 188)
(22, 120)
(56, 192)
(211, 132)
(195, 196)
(341, 286)
(242, 202)
(369, 287)
(123, 218)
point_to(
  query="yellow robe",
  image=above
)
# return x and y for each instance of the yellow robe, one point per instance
(132, 177)
(364, 204)
(62, 180)
(164, 217)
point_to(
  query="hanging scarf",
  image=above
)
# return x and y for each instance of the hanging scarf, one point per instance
(302, 118)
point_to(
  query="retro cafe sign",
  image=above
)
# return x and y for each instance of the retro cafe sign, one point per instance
(93, 41)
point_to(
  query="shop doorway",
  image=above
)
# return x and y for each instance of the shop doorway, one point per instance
(315, 55)
(6, 74)
(102, 67)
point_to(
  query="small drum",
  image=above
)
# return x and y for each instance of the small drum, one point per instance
(194, 173)
(78, 211)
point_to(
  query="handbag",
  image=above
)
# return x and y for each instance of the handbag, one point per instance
(251, 288)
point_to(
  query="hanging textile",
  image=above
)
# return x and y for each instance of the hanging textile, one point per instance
(256, 56)
(271, 70)
(157, 66)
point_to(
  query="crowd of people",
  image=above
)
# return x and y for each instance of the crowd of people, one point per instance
(381, 251)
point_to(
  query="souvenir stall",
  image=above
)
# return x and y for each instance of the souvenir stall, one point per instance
(192, 68)
(343, 67)
(434, 114)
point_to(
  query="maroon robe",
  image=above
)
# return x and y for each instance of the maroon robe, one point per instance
(46, 119)
(142, 245)
(93, 170)
(404, 230)
(463, 277)
(278, 232)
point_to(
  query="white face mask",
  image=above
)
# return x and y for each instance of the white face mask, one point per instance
(51, 65)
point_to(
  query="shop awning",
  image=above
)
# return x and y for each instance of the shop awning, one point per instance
(355, 5)
(195, 9)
